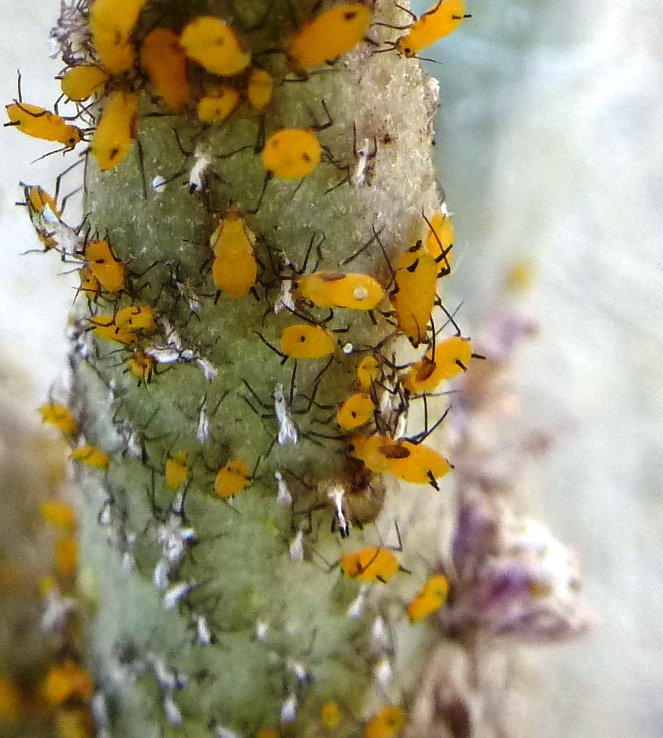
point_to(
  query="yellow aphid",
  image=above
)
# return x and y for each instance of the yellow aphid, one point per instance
(388, 723)
(111, 23)
(368, 372)
(58, 415)
(43, 212)
(267, 733)
(10, 700)
(218, 104)
(74, 722)
(127, 327)
(370, 564)
(336, 289)
(449, 358)
(235, 269)
(142, 366)
(330, 35)
(137, 317)
(58, 514)
(291, 153)
(231, 479)
(105, 266)
(80, 83)
(66, 556)
(116, 130)
(214, 45)
(430, 598)
(259, 89)
(414, 295)
(355, 411)
(371, 450)
(441, 20)
(304, 341)
(66, 681)
(440, 241)
(91, 456)
(330, 715)
(90, 286)
(177, 470)
(41, 123)
(162, 57)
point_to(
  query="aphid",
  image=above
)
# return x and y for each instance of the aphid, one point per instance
(430, 598)
(142, 366)
(231, 479)
(330, 715)
(304, 341)
(127, 327)
(328, 36)
(90, 286)
(283, 496)
(337, 289)
(235, 269)
(111, 23)
(59, 416)
(105, 266)
(370, 564)
(81, 82)
(414, 295)
(446, 360)
(91, 456)
(368, 372)
(214, 45)
(58, 514)
(117, 129)
(355, 411)
(388, 723)
(218, 104)
(41, 123)
(259, 89)
(291, 153)
(65, 681)
(441, 20)
(288, 433)
(43, 212)
(162, 58)
(66, 556)
(440, 240)
(177, 470)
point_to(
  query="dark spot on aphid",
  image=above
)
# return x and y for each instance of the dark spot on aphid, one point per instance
(306, 157)
(350, 15)
(394, 452)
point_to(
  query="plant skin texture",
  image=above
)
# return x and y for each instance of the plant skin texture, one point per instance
(247, 554)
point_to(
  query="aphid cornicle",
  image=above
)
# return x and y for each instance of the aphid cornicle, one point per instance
(235, 269)
(215, 46)
(328, 36)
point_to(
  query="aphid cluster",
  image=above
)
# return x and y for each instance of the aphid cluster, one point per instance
(143, 327)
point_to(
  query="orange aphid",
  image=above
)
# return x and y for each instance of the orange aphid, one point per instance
(214, 45)
(430, 598)
(304, 341)
(59, 416)
(414, 295)
(80, 83)
(90, 286)
(291, 153)
(440, 241)
(231, 479)
(127, 327)
(329, 35)
(441, 20)
(91, 456)
(370, 564)
(218, 104)
(116, 130)
(368, 372)
(66, 681)
(105, 266)
(355, 411)
(111, 23)
(142, 366)
(58, 514)
(162, 57)
(448, 359)
(177, 470)
(388, 723)
(66, 556)
(41, 123)
(337, 289)
(267, 733)
(259, 89)
(235, 269)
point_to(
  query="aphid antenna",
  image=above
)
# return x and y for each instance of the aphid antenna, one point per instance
(419, 437)
(311, 400)
(283, 356)
(444, 253)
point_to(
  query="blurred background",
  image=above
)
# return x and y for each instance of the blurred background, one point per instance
(549, 147)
